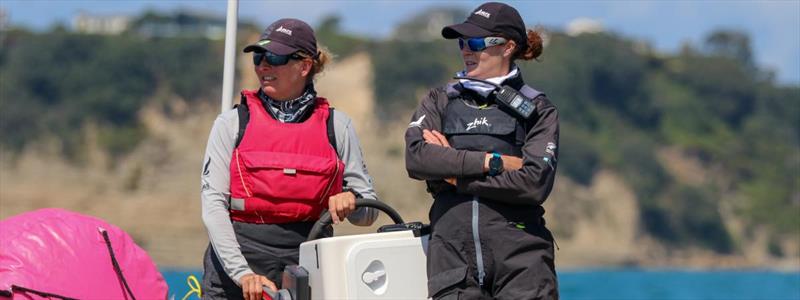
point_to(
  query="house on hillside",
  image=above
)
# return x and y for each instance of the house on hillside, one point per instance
(98, 24)
(180, 24)
(154, 25)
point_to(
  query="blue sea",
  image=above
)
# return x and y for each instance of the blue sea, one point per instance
(628, 284)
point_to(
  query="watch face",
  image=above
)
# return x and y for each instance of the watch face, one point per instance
(495, 164)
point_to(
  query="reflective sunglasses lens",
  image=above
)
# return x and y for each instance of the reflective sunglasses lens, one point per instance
(476, 44)
(271, 58)
(257, 57)
(277, 60)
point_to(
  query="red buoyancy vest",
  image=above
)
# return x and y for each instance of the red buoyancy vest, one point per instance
(283, 172)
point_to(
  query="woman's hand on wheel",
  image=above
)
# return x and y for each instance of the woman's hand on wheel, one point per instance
(252, 286)
(341, 205)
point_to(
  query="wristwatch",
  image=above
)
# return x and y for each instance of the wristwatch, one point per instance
(351, 190)
(495, 164)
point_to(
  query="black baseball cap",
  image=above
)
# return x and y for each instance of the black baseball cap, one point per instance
(286, 36)
(488, 19)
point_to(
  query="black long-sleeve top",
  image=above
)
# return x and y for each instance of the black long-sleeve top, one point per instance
(529, 185)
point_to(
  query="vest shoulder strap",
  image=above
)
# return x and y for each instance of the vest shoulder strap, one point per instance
(530, 92)
(451, 90)
(244, 117)
(331, 132)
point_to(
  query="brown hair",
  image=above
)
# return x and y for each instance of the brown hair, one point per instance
(533, 49)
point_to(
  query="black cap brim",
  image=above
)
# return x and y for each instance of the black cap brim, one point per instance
(271, 46)
(464, 30)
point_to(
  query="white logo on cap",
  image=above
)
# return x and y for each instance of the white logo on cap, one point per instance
(284, 30)
(483, 13)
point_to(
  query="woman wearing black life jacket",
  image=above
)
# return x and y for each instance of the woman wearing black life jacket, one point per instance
(488, 167)
(273, 164)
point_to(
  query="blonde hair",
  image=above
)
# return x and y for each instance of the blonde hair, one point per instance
(319, 62)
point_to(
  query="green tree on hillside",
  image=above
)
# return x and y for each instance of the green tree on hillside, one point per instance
(54, 83)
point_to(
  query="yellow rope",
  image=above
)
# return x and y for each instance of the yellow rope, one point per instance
(194, 287)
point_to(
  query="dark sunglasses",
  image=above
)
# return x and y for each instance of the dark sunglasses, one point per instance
(480, 44)
(274, 59)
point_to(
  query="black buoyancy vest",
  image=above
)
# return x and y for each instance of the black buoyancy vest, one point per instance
(489, 129)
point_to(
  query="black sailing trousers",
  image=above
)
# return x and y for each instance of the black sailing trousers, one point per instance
(516, 251)
(268, 249)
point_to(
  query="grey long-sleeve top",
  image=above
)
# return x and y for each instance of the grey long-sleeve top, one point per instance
(215, 178)
(529, 185)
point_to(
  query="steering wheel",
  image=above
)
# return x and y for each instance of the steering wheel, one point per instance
(325, 219)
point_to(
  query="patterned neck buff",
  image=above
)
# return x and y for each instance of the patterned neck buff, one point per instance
(290, 111)
(482, 88)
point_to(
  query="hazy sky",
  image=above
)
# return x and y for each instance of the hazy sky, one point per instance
(774, 26)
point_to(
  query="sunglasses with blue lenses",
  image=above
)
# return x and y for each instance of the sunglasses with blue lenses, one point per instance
(274, 59)
(480, 44)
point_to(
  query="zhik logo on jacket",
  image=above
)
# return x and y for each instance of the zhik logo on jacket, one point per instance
(478, 122)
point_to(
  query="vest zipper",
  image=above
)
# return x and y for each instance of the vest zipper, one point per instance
(476, 238)
(330, 184)
(260, 217)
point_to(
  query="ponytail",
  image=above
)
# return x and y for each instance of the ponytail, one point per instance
(533, 48)
(318, 63)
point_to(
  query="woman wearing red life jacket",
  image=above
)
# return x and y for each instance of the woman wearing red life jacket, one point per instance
(273, 165)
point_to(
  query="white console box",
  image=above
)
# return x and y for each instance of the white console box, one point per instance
(387, 265)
